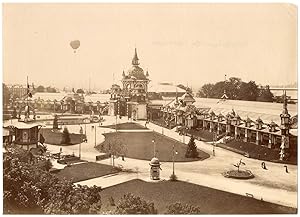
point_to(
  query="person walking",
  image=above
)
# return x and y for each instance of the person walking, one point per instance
(286, 169)
(263, 165)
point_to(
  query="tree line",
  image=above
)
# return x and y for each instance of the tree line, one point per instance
(236, 89)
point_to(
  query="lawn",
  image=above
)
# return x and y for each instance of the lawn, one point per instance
(139, 145)
(211, 201)
(126, 126)
(55, 137)
(254, 151)
(199, 134)
(85, 171)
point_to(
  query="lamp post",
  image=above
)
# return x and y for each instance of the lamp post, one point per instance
(214, 144)
(183, 134)
(81, 132)
(95, 136)
(154, 148)
(173, 157)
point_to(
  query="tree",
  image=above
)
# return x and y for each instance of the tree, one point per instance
(236, 89)
(178, 208)
(233, 87)
(191, 151)
(66, 136)
(248, 91)
(131, 204)
(30, 190)
(265, 95)
(66, 198)
(80, 91)
(114, 147)
(219, 88)
(206, 91)
(40, 89)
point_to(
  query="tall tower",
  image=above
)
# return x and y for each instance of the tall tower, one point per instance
(285, 127)
(135, 88)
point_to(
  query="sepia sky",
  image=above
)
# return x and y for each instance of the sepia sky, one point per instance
(181, 43)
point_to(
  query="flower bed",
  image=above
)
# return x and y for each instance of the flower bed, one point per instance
(242, 174)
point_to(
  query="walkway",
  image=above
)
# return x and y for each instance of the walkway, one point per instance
(273, 185)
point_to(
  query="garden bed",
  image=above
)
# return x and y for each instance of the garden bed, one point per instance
(242, 174)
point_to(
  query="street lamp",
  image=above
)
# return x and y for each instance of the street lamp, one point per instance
(214, 144)
(173, 156)
(183, 134)
(154, 148)
(81, 132)
(95, 136)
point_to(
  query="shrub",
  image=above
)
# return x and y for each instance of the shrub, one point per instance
(173, 177)
(178, 208)
(55, 122)
(66, 136)
(191, 151)
(131, 204)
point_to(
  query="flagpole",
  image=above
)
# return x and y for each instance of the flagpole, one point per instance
(27, 91)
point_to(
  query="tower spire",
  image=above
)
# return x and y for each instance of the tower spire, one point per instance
(135, 60)
(285, 111)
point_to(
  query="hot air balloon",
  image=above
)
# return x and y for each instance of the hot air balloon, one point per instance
(75, 44)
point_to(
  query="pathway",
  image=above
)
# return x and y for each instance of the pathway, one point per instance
(273, 185)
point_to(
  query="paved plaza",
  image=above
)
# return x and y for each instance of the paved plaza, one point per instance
(272, 185)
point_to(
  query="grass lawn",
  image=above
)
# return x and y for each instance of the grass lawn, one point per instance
(211, 201)
(55, 137)
(84, 171)
(255, 151)
(126, 126)
(139, 145)
(203, 135)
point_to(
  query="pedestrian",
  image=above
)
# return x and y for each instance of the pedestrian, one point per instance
(263, 165)
(213, 151)
(60, 150)
(286, 169)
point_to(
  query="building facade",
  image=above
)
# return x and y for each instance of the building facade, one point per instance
(182, 113)
(132, 99)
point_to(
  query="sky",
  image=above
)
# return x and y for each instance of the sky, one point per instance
(191, 44)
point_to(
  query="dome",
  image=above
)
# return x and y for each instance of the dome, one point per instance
(154, 162)
(137, 72)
